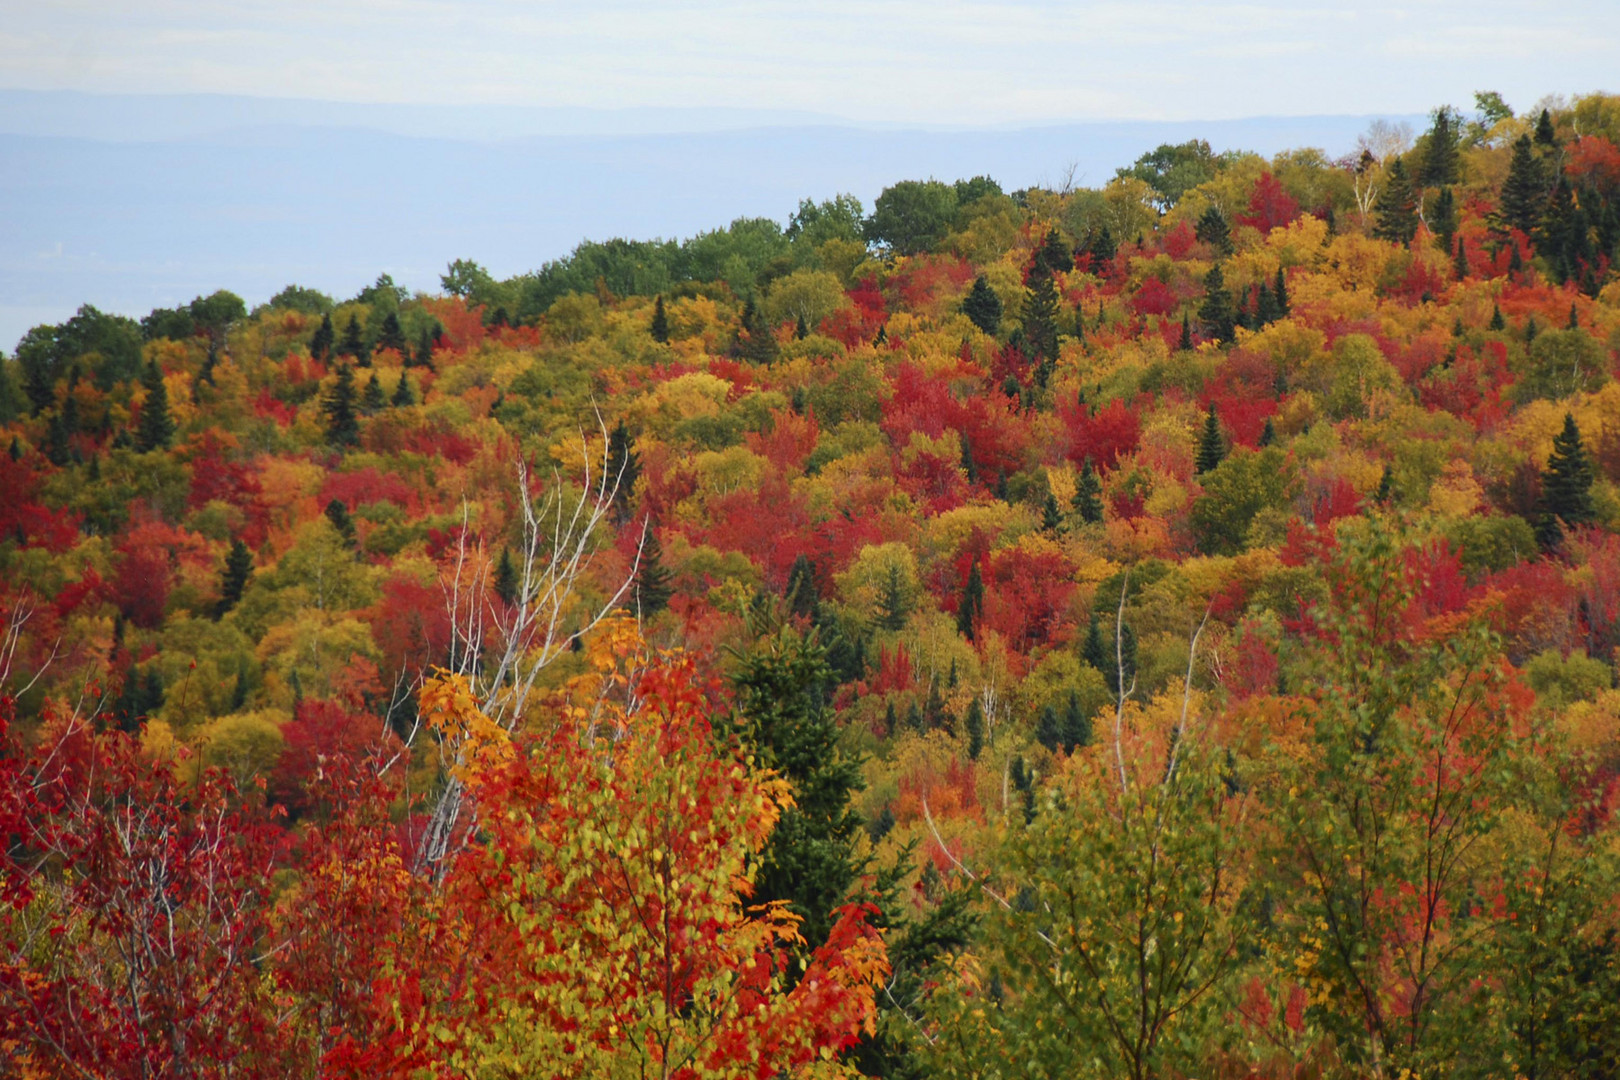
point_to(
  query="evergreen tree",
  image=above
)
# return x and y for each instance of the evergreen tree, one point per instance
(802, 594)
(1054, 255)
(1545, 135)
(342, 423)
(1268, 434)
(1040, 313)
(1102, 248)
(337, 512)
(1497, 322)
(234, 577)
(1048, 729)
(1531, 329)
(156, 429)
(1186, 342)
(623, 467)
(982, 306)
(1076, 725)
(660, 321)
(402, 392)
(392, 336)
(1385, 487)
(892, 607)
(1440, 157)
(1088, 495)
(1279, 293)
(424, 349)
(1214, 230)
(1051, 516)
(934, 717)
(971, 606)
(652, 577)
(1459, 263)
(58, 441)
(801, 329)
(372, 400)
(810, 859)
(320, 346)
(1396, 206)
(353, 344)
(758, 343)
(506, 579)
(1519, 204)
(891, 722)
(974, 725)
(1217, 313)
(1265, 306)
(1566, 486)
(1573, 324)
(1093, 651)
(16, 450)
(1561, 235)
(1211, 447)
(1443, 222)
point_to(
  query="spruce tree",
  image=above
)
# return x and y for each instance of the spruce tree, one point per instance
(337, 512)
(1211, 447)
(1268, 435)
(234, 577)
(802, 595)
(623, 468)
(1102, 248)
(1076, 725)
(970, 608)
(801, 329)
(1186, 342)
(1518, 205)
(1443, 222)
(506, 579)
(810, 860)
(353, 343)
(1566, 486)
(982, 306)
(1049, 729)
(1217, 312)
(402, 396)
(1497, 322)
(1088, 495)
(660, 321)
(1051, 516)
(320, 346)
(892, 607)
(391, 335)
(1386, 486)
(1279, 294)
(652, 577)
(1265, 306)
(372, 400)
(1459, 263)
(156, 429)
(424, 349)
(1040, 313)
(1440, 157)
(1093, 651)
(756, 341)
(342, 423)
(1545, 135)
(973, 724)
(1214, 230)
(1396, 206)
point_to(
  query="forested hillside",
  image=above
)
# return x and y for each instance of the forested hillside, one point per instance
(1161, 630)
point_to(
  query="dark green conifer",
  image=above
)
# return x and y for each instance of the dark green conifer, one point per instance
(1566, 486)
(1443, 222)
(1102, 248)
(1497, 322)
(974, 725)
(1049, 729)
(1573, 324)
(801, 329)
(1385, 486)
(1088, 495)
(1440, 157)
(982, 306)
(1093, 651)
(1211, 446)
(970, 607)
(1459, 262)
(1524, 192)
(402, 396)
(58, 441)
(392, 335)
(424, 349)
(156, 428)
(653, 588)
(660, 321)
(353, 344)
(320, 346)
(1214, 230)
(1186, 342)
(1531, 329)
(342, 422)
(1279, 293)
(802, 593)
(1397, 206)
(1545, 135)
(1051, 516)
(337, 512)
(1217, 312)
(893, 611)
(891, 722)
(372, 400)
(1040, 313)
(1076, 725)
(234, 577)
(16, 450)
(757, 342)
(506, 579)
(1268, 434)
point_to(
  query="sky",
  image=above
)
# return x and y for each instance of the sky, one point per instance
(934, 62)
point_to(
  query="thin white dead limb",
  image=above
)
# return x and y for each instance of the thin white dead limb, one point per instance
(1186, 699)
(971, 876)
(1119, 673)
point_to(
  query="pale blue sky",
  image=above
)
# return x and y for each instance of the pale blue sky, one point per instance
(906, 61)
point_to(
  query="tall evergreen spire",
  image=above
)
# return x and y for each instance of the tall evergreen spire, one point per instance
(982, 306)
(660, 321)
(234, 577)
(1523, 194)
(1211, 447)
(1218, 313)
(970, 607)
(1088, 495)
(1397, 206)
(342, 423)
(1566, 486)
(156, 428)
(652, 576)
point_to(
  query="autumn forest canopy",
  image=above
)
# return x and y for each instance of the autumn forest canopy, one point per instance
(1167, 629)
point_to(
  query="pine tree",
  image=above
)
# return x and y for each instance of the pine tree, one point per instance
(1573, 324)
(156, 429)
(1048, 729)
(1265, 306)
(1051, 516)
(320, 346)
(1440, 158)
(1214, 230)
(372, 400)
(982, 306)
(402, 392)
(234, 577)
(1279, 293)
(1396, 206)
(1088, 495)
(1566, 486)
(1217, 313)
(652, 577)
(892, 607)
(1459, 263)
(1443, 222)
(506, 579)
(1519, 204)
(1186, 342)
(353, 344)
(758, 343)
(623, 468)
(1076, 725)
(1040, 313)
(801, 329)
(1268, 434)
(971, 606)
(1545, 135)
(660, 321)
(1102, 248)
(1386, 486)
(974, 725)
(391, 336)
(934, 717)
(424, 349)
(810, 859)
(1093, 651)
(337, 512)
(342, 424)
(802, 595)
(1211, 447)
